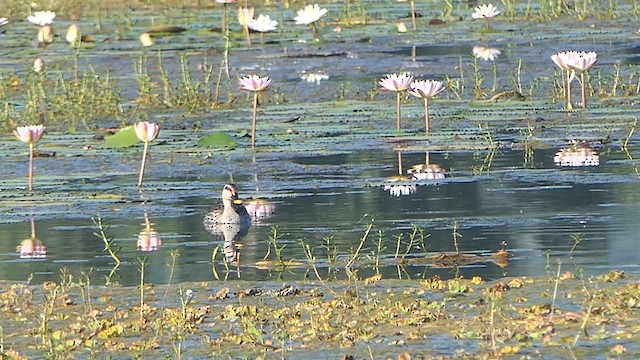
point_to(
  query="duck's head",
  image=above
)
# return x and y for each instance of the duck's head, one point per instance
(230, 194)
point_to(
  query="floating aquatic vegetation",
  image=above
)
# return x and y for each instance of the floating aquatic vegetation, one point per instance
(125, 137)
(218, 139)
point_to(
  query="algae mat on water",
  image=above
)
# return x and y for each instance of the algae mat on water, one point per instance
(551, 317)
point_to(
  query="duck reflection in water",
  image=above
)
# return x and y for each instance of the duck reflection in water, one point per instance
(32, 248)
(148, 238)
(399, 184)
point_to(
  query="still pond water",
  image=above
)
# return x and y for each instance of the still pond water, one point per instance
(535, 211)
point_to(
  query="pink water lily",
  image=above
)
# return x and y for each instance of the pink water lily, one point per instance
(564, 60)
(399, 84)
(147, 132)
(395, 82)
(426, 89)
(582, 62)
(571, 61)
(29, 134)
(255, 84)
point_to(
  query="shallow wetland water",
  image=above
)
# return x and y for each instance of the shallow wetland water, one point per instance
(327, 147)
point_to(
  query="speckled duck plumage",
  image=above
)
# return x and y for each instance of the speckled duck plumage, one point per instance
(231, 211)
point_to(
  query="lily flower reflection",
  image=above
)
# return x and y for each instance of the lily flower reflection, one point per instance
(32, 248)
(149, 237)
(427, 172)
(486, 53)
(577, 156)
(314, 78)
(259, 208)
(400, 185)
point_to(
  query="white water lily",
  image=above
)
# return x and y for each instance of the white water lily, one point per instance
(485, 11)
(395, 82)
(570, 62)
(42, 18)
(399, 84)
(425, 89)
(263, 23)
(309, 15)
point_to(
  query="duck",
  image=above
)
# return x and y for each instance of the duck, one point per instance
(230, 212)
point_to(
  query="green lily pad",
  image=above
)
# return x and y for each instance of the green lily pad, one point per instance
(218, 139)
(124, 138)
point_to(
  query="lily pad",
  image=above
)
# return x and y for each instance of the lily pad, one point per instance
(124, 138)
(218, 139)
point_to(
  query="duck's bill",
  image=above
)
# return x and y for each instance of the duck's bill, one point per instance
(237, 202)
